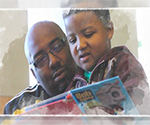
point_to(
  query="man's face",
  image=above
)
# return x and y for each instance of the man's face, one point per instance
(88, 38)
(56, 74)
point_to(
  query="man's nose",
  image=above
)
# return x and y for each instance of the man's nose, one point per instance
(54, 61)
(81, 44)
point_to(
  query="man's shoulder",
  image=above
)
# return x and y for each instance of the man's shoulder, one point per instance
(26, 97)
(30, 90)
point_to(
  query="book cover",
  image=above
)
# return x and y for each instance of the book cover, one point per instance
(108, 96)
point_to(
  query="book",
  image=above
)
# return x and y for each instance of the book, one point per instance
(104, 97)
(109, 95)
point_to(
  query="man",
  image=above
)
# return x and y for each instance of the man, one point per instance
(48, 55)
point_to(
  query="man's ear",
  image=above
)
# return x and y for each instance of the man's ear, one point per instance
(34, 74)
(110, 29)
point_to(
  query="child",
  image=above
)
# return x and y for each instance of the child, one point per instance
(89, 34)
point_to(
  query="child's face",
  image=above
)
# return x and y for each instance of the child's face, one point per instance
(88, 38)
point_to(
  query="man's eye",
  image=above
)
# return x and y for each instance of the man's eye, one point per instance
(57, 47)
(72, 41)
(41, 61)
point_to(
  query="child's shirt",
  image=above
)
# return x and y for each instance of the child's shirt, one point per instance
(119, 61)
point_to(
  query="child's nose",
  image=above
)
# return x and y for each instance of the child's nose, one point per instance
(81, 44)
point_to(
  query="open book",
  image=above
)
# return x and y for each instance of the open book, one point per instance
(105, 96)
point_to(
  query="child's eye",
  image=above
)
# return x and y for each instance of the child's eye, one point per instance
(89, 34)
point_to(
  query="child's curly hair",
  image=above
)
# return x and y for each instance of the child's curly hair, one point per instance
(102, 14)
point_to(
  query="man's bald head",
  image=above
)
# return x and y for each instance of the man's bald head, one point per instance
(38, 30)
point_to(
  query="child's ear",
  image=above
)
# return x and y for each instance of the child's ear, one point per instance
(110, 29)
